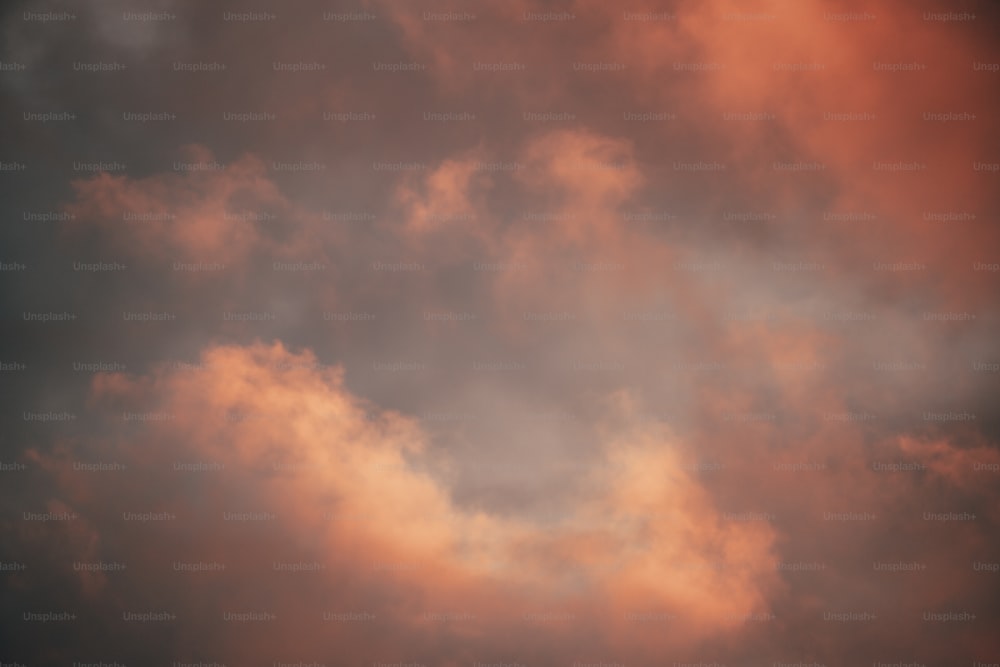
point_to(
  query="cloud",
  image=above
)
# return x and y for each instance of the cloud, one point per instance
(603, 335)
(260, 437)
(206, 211)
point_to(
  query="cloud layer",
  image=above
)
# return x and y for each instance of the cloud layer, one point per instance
(506, 334)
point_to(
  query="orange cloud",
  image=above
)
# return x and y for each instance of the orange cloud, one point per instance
(206, 212)
(264, 431)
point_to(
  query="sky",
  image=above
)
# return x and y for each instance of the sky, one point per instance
(499, 334)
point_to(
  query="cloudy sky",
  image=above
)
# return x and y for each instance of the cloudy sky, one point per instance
(521, 333)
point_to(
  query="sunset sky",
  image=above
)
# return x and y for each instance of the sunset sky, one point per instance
(491, 333)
